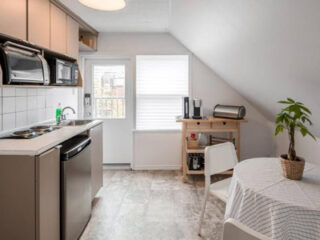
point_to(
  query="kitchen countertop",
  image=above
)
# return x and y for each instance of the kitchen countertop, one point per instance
(38, 145)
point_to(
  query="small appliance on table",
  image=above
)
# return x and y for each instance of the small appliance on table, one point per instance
(196, 108)
(228, 111)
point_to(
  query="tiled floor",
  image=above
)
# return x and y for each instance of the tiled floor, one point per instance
(152, 205)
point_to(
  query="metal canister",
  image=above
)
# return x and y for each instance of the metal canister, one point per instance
(229, 111)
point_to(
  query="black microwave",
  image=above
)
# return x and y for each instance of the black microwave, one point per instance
(63, 73)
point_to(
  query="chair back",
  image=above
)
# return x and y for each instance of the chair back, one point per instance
(220, 158)
(233, 229)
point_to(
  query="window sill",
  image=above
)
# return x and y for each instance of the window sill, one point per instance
(157, 131)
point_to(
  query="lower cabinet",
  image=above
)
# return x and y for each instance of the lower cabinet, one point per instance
(48, 195)
(96, 159)
(30, 196)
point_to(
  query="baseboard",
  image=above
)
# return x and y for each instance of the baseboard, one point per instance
(116, 166)
(157, 167)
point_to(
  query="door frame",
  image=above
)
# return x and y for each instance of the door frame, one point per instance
(131, 65)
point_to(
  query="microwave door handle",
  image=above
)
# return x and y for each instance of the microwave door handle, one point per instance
(8, 43)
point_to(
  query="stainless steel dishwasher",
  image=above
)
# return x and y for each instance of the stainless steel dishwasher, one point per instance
(75, 186)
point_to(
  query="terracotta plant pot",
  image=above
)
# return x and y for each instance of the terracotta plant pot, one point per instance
(292, 169)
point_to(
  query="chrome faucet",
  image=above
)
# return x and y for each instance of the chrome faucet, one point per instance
(63, 116)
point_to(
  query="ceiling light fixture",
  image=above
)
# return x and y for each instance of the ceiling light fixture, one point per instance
(104, 5)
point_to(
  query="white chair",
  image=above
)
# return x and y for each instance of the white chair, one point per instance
(218, 158)
(235, 230)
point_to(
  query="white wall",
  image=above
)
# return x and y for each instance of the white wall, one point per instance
(162, 150)
(267, 50)
(21, 107)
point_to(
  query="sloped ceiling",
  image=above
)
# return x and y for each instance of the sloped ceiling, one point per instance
(266, 49)
(137, 16)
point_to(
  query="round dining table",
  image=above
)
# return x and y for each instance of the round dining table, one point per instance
(279, 208)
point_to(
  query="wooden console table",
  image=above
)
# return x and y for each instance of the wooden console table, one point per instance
(209, 125)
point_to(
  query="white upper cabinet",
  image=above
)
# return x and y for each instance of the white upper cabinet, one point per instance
(58, 33)
(72, 38)
(39, 22)
(13, 18)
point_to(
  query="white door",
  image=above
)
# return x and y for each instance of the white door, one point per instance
(110, 85)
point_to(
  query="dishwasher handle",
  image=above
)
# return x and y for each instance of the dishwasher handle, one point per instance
(75, 150)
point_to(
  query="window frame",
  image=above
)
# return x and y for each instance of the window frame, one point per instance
(169, 130)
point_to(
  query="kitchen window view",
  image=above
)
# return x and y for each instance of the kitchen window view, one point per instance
(109, 91)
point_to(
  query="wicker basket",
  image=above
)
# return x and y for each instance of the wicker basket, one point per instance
(192, 143)
(292, 169)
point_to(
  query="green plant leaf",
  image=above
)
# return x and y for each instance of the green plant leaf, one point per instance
(280, 118)
(290, 100)
(306, 109)
(283, 102)
(306, 119)
(311, 135)
(278, 129)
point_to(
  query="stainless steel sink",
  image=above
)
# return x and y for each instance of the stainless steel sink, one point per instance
(74, 122)
(78, 122)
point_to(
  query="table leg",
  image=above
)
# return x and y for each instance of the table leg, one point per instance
(183, 153)
(238, 141)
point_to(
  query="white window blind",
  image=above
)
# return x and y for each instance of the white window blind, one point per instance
(161, 83)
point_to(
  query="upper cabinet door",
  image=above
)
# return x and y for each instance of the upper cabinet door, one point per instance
(13, 18)
(72, 38)
(58, 39)
(39, 22)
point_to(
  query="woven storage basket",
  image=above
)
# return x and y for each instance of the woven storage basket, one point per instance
(192, 143)
(292, 169)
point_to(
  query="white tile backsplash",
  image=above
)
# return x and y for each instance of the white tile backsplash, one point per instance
(33, 116)
(21, 119)
(32, 102)
(9, 121)
(50, 113)
(41, 101)
(9, 105)
(8, 92)
(21, 92)
(49, 101)
(21, 104)
(20, 107)
(41, 114)
(41, 91)
(32, 92)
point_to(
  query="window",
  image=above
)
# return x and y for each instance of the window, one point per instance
(161, 83)
(109, 91)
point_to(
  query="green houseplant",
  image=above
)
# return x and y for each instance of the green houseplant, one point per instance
(293, 117)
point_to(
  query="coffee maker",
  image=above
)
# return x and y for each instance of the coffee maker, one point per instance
(197, 109)
(186, 107)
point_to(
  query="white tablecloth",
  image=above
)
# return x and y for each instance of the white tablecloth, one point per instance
(261, 198)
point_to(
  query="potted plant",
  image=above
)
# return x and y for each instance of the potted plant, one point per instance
(293, 117)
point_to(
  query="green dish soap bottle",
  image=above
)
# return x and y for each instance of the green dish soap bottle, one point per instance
(58, 113)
